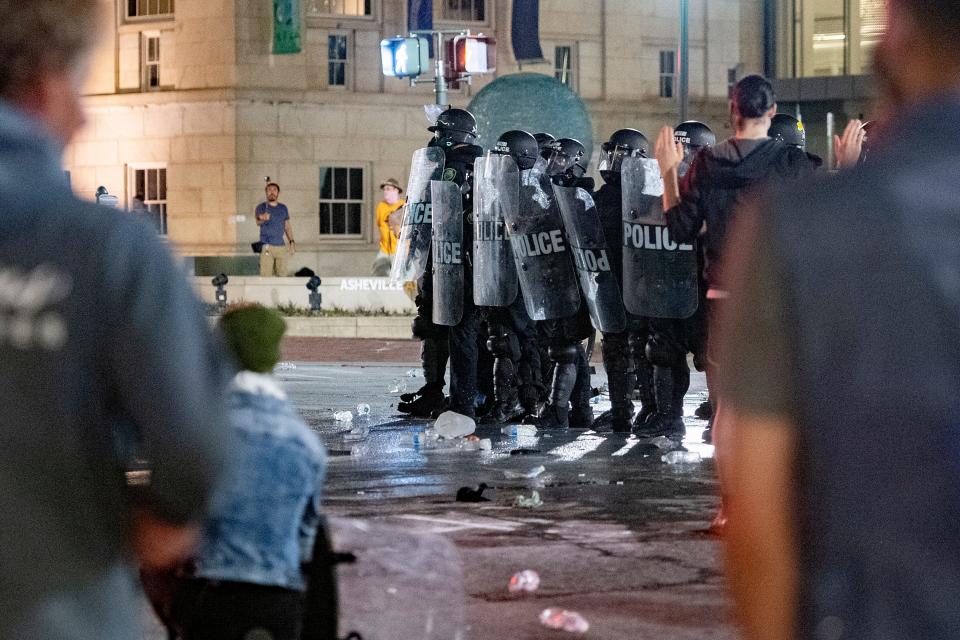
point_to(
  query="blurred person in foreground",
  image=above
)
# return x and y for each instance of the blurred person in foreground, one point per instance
(247, 576)
(102, 345)
(840, 369)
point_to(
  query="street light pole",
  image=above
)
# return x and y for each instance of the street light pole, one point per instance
(684, 60)
(440, 81)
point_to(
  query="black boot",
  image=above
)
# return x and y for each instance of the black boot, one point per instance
(643, 375)
(704, 411)
(620, 381)
(581, 411)
(429, 400)
(666, 421)
(505, 393)
(555, 414)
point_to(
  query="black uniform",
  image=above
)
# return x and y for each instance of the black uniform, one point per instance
(624, 358)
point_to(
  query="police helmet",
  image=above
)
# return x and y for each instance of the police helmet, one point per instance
(788, 130)
(543, 139)
(622, 144)
(694, 134)
(868, 129)
(566, 157)
(521, 145)
(453, 127)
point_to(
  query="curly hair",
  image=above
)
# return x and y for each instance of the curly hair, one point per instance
(41, 36)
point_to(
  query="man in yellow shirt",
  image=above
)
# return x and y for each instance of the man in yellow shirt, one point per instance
(389, 219)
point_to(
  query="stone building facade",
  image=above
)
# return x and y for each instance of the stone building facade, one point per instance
(189, 111)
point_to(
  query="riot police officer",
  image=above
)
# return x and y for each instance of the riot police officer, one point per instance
(568, 401)
(512, 337)
(790, 131)
(623, 352)
(456, 133)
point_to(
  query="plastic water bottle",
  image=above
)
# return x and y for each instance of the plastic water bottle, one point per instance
(518, 430)
(682, 457)
(563, 620)
(526, 581)
(285, 366)
(363, 410)
(343, 416)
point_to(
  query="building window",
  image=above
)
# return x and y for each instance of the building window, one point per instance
(668, 73)
(149, 8)
(148, 197)
(462, 10)
(731, 81)
(360, 8)
(563, 65)
(341, 201)
(337, 60)
(151, 62)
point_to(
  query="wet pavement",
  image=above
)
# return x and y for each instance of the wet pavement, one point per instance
(620, 537)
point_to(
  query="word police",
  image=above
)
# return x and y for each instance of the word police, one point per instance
(446, 252)
(538, 244)
(650, 236)
(419, 213)
(591, 259)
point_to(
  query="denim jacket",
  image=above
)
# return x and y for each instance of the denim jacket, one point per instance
(264, 521)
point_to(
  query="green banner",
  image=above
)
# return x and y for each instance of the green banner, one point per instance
(286, 27)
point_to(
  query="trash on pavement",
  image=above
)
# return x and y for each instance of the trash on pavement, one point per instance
(363, 410)
(285, 366)
(466, 494)
(518, 430)
(526, 581)
(518, 475)
(523, 502)
(414, 373)
(663, 443)
(397, 386)
(563, 620)
(343, 416)
(454, 425)
(682, 457)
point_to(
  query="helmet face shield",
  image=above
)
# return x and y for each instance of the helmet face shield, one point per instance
(556, 162)
(611, 157)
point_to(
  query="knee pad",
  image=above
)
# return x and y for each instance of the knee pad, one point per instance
(424, 329)
(564, 354)
(660, 352)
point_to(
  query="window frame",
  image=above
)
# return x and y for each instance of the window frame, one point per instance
(145, 63)
(489, 8)
(348, 63)
(132, 168)
(574, 68)
(339, 17)
(364, 202)
(664, 74)
(157, 17)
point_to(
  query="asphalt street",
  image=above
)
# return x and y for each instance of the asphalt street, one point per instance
(620, 538)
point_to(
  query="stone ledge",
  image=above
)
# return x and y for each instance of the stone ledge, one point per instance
(382, 328)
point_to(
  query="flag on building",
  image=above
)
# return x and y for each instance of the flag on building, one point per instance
(420, 15)
(286, 27)
(525, 31)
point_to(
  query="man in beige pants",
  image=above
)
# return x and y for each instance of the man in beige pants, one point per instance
(273, 218)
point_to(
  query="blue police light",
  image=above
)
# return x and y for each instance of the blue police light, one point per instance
(404, 57)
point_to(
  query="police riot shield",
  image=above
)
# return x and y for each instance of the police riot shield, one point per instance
(540, 250)
(413, 249)
(448, 276)
(659, 275)
(497, 187)
(599, 286)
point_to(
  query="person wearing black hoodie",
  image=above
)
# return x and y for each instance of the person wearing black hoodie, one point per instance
(719, 180)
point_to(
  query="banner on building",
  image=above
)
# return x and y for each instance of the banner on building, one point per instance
(420, 15)
(525, 31)
(286, 27)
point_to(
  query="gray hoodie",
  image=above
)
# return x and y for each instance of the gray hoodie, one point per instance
(101, 342)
